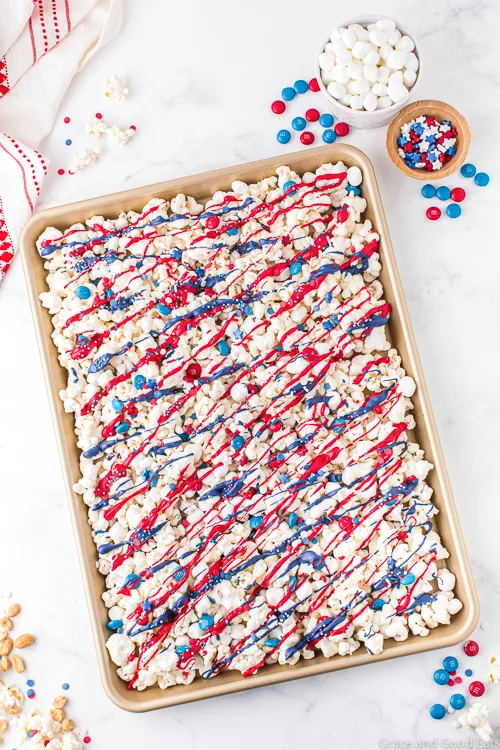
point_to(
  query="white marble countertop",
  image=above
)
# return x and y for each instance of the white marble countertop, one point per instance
(202, 77)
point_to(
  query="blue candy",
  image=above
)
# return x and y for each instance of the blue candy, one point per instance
(255, 522)
(68, 142)
(134, 579)
(181, 650)
(326, 120)
(468, 672)
(65, 686)
(301, 86)
(450, 663)
(29, 693)
(292, 520)
(437, 711)
(353, 190)
(139, 381)
(163, 309)
(223, 347)
(428, 191)
(443, 193)
(298, 123)
(117, 404)
(206, 621)
(453, 210)
(481, 179)
(179, 574)
(83, 292)
(288, 94)
(288, 185)
(114, 624)
(122, 427)
(237, 442)
(457, 701)
(377, 604)
(272, 642)
(329, 136)
(283, 136)
(441, 677)
(232, 231)
(30, 683)
(408, 579)
(468, 170)
(295, 268)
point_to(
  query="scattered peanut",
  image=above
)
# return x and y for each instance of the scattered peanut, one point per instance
(14, 711)
(6, 622)
(14, 610)
(6, 646)
(17, 663)
(23, 641)
(57, 714)
(4, 663)
(59, 701)
(68, 725)
(3, 726)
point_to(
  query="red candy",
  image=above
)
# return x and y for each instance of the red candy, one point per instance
(213, 222)
(342, 215)
(307, 137)
(457, 194)
(433, 213)
(476, 688)
(60, 171)
(66, 120)
(346, 523)
(193, 371)
(312, 115)
(278, 107)
(98, 115)
(471, 648)
(458, 680)
(313, 84)
(451, 683)
(86, 739)
(341, 128)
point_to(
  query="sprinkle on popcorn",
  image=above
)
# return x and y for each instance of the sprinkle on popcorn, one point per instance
(253, 490)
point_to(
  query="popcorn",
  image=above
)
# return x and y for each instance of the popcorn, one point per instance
(116, 88)
(494, 669)
(85, 158)
(476, 717)
(243, 421)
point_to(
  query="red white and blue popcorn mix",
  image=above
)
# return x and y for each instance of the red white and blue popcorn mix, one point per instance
(427, 143)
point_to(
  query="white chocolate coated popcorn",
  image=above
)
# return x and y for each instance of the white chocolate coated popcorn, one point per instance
(116, 88)
(476, 717)
(254, 492)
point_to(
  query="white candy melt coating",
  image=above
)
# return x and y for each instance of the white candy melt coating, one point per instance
(371, 55)
(476, 717)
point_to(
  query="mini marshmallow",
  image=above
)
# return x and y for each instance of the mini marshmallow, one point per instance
(378, 38)
(326, 61)
(370, 73)
(371, 58)
(370, 102)
(397, 92)
(396, 60)
(405, 44)
(350, 38)
(360, 49)
(409, 77)
(385, 24)
(337, 90)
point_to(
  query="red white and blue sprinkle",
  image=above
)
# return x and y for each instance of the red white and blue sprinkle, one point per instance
(427, 143)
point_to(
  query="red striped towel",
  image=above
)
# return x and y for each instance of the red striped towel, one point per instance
(43, 43)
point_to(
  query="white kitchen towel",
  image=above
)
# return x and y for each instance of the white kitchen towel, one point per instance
(43, 43)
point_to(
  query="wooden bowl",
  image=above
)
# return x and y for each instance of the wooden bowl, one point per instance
(441, 111)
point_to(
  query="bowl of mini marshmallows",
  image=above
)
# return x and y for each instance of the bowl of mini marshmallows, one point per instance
(368, 69)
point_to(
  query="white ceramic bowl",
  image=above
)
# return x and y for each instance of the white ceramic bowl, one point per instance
(361, 118)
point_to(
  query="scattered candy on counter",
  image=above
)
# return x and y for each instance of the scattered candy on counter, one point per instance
(443, 193)
(481, 179)
(369, 68)
(67, 119)
(326, 120)
(453, 211)
(85, 158)
(427, 143)
(468, 673)
(433, 213)
(437, 711)
(68, 142)
(428, 191)
(458, 194)
(476, 688)
(116, 88)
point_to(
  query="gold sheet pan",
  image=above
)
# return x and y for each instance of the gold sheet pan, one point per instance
(400, 333)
